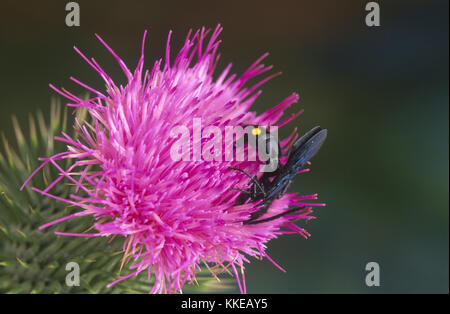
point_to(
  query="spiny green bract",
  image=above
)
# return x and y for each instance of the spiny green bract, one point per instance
(33, 260)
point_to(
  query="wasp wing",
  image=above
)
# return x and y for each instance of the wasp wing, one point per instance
(305, 149)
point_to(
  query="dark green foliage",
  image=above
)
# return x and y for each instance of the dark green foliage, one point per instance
(33, 260)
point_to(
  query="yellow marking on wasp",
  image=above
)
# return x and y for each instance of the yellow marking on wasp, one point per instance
(256, 131)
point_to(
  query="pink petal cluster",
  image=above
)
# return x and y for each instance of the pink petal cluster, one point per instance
(175, 216)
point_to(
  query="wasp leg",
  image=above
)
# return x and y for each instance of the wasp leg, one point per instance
(254, 180)
(243, 197)
(240, 190)
(285, 188)
(254, 222)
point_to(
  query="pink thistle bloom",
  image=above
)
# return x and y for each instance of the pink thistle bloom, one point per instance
(175, 216)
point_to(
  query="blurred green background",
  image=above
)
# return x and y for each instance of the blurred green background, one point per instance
(382, 92)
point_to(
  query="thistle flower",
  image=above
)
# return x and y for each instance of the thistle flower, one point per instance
(175, 216)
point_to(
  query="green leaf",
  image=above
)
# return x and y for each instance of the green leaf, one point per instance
(33, 260)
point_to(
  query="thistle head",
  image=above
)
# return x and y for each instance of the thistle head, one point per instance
(175, 215)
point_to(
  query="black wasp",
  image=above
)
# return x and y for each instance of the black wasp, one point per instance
(273, 185)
